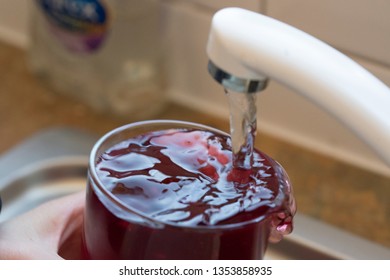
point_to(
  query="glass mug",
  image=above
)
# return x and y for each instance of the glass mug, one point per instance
(165, 189)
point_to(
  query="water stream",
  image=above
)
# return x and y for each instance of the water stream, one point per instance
(243, 124)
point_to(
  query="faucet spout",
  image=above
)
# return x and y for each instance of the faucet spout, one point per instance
(246, 48)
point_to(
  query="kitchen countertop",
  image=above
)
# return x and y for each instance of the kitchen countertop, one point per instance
(345, 196)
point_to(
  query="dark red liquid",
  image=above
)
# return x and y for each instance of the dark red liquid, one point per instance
(197, 206)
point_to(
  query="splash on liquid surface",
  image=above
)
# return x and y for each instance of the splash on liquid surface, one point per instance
(187, 177)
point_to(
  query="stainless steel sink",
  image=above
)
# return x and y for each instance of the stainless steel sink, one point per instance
(47, 165)
(54, 162)
(315, 240)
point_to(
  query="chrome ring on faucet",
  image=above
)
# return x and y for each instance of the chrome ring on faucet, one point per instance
(234, 83)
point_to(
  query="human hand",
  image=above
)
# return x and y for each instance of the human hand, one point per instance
(50, 231)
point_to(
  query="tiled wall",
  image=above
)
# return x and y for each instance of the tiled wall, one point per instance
(359, 28)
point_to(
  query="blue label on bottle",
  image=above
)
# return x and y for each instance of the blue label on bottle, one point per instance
(80, 25)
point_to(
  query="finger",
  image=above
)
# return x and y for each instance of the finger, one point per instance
(57, 219)
(43, 229)
(72, 247)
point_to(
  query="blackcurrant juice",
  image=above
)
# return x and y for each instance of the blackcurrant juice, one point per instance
(175, 194)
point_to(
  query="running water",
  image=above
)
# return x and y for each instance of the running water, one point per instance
(243, 124)
(243, 129)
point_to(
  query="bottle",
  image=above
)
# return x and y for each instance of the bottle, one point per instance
(106, 53)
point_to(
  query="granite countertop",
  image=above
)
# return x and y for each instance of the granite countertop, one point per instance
(347, 197)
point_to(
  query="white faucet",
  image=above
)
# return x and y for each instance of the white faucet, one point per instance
(246, 48)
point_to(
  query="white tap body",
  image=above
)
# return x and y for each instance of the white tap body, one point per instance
(248, 46)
